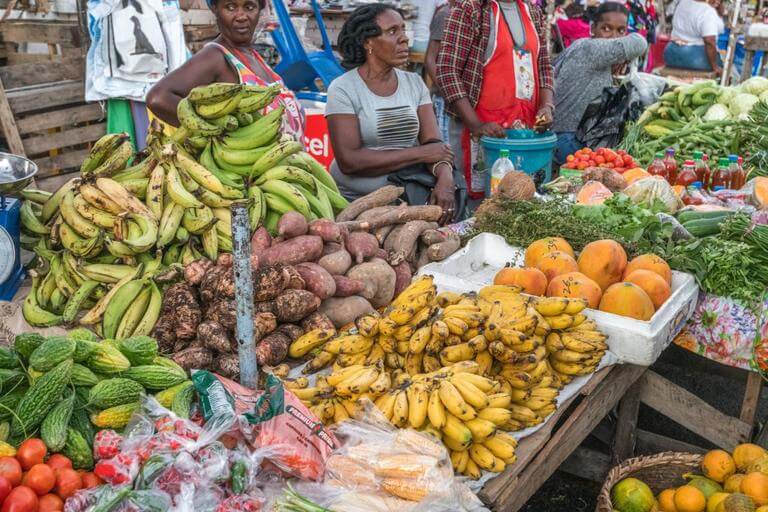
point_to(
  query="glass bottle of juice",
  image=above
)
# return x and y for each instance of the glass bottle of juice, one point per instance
(740, 177)
(657, 167)
(706, 172)
(721, 178)
(671, 164)
(687, 175)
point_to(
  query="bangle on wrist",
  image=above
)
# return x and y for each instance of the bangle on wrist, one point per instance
(438, 164)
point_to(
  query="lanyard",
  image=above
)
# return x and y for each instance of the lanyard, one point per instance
(518, 47)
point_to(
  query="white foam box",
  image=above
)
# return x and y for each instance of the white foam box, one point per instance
(633, 341)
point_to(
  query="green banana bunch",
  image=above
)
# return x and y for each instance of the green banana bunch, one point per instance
(259, 133)
(101, 151)
(94, 315)
(33, 313)
(35, 195)
(213, 93)
(274, 155)
(190, 120)
(198, 220)
(255, 100)
(30, 222)
(283, 197)
(138, 232)
(51, 205)
(117, 306)
(82, 247)
(218, 110)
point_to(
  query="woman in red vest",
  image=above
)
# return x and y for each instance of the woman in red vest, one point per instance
(494, 72)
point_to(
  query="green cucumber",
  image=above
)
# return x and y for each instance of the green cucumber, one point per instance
(703, 227)
(689, 215)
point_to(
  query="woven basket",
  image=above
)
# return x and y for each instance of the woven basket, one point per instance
(659, 472)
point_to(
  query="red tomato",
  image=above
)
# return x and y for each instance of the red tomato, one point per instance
(620, 170)
(91, 480)
(627, 160)
(621, 152)
(610, 156)
(5, 488)
(31, 452)
(40, 478)
(608, 165)
(68, 482)
(570, 158)
(586, 150)
(10, 469)
(50, 503)
(582, 166)
(59, 461)
(600, 159)
(21, 499)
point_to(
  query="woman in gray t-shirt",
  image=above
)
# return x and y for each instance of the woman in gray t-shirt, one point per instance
(380, 118)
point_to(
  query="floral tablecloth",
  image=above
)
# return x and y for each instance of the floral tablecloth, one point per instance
(728, 332)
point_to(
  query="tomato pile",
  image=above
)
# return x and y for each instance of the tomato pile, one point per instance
(31, 483)
(619, 160)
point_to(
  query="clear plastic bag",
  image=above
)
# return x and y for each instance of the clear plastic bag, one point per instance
(646, 88)
(652, 192)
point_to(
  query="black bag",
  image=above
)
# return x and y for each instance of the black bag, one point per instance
(602, 124)
(418, 183)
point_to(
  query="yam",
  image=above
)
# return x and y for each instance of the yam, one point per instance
(225, 260)
(373, 213)
(405, 240)
(195, 271)
(346, 286)
(336, 263)
(379, 279)
(293, 331)
(441, 250)
(317, 320)
(331, 247)
(214, 336)
(164, 332)
(393, 235)
(429, 213)
(264, 323)
(382, 233)
(180, 301)
(292, 278)
(362, 245)
(433, 236)
(260, 240)
(294, 305)
(317, 279)
(291, 225)
(342, 311)
(402, 277)
(228, 366)
(223, 312)
(209, 283)
(272, 349)
(380, 197)
(326, 229)
(269, 282)
(296, 250)
(193, 358)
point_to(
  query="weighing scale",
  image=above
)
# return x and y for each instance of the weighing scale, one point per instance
(15, 174)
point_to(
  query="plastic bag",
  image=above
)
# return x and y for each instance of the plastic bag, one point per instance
(602, 124)
(652, 192)
(646, 87)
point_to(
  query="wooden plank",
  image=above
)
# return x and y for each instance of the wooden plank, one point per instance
(762, 438)
(751, 396)
(52, 165)
(587, 463)
(8, 123)
(22, 75)
(623, 445)
(72, 137)
(65, 34)
(41, 98)
(574, 430)
(687, 409)
(64, 117)
(201, 32)
(649, 442)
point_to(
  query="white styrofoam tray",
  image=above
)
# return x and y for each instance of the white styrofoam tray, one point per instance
(633, 341)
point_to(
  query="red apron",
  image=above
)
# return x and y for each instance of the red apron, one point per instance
(500, 101)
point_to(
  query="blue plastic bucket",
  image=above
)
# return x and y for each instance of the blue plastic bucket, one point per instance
(533, 149)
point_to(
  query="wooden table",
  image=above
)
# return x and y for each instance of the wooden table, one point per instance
(539, 455)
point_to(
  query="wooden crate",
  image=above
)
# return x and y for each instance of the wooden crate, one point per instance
(43, 114)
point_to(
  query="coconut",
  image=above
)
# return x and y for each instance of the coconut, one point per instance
(517, 186)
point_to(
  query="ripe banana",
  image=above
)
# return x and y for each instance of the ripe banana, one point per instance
(97, 216)
(454, 402)
(72, 217)
(101, 150)
(154, 195)
(176, 190)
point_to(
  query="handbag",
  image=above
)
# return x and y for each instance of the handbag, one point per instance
(418, 183)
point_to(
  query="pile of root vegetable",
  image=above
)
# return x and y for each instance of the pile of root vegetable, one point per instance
(314, 275)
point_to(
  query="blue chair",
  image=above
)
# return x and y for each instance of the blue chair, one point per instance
(298, 69)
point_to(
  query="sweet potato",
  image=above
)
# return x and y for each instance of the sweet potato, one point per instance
(429, 213)
(433, 236)
(404, 241)
(373, 213)
(441, 250)
(380, 197)
(317, 280)
(346, 286)
(316, 320)
(342, 311)
(296, 250)
(292, 224)
(331, 247)
(272, 349)
(402, 277)
(362, 245)
(294, 305)
(292, 278)
(269, 282)
(293, 331)
(228, 366)
(195, 271)
(379, 280)
(214, 336)
(263, 324)
(260, 240)
(225, 259)
(192, 358)
(325, 229)
(336, 263)
(423, 259)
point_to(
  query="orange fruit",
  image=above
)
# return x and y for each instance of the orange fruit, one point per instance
(715, 500)
(747, 453)
(718, 465)
(666, 499)
(689, 499)
(755, 485)
(546, 245)
(733, 483)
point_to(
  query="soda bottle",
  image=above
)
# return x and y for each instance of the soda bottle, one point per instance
(688, 175)
(671, 164)
(657, 167)
(740, 177)
(721, 178)
(733, 170)
(500, 169)
(706, 172)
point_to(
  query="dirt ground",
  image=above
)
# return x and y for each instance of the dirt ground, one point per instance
(718, 385)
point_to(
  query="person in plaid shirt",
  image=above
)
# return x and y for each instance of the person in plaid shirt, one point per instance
(494, 71)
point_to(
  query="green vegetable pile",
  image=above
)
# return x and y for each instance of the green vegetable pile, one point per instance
(754, 135)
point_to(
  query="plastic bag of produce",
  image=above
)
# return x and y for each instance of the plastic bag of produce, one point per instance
(655, 194)
(298, 442)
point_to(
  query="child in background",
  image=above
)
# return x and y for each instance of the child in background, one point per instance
(430, 63)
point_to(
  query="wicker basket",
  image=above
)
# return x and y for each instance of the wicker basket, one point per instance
(660, 471)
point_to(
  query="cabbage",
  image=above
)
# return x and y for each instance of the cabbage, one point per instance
(726, 95)
(717, 112)
(742, 103)
(755, 85)
(764, 96)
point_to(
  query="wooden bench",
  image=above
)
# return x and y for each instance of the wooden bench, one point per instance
(685, 74)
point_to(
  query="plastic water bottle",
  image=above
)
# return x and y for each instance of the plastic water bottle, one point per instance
(500, 168)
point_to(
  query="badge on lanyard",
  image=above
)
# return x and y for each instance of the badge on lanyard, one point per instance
(524, 82)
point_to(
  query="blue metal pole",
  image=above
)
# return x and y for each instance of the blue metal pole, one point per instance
(244, 332)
